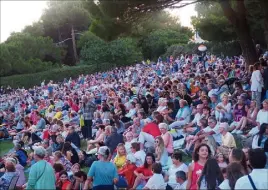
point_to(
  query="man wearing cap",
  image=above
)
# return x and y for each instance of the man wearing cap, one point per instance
(41, 174)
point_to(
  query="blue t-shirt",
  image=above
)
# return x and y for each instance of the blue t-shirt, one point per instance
(103, 173)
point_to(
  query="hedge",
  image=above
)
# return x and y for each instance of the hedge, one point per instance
(30, 80)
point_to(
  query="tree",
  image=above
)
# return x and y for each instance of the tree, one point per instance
(23, 53)
(61, 20)
(36, 29)
(238, 19)
(211, 23)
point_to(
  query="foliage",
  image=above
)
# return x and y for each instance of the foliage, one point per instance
(231, 48)
(23, 53)
(211, 23)
(124, 51)
(157, 42)
(36, 29)
(120, 52)
(58, 74)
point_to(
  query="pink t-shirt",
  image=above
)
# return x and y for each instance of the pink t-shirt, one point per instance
(167, 137)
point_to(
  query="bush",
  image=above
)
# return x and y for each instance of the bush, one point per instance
(120, 52)
(23, 53)
(157, 42)
(218, 48)
(30, 80)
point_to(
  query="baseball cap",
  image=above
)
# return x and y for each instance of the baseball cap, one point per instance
(104, 151)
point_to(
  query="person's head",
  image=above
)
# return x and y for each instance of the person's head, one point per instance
(103, 153)
(212, 174)
(176, 158)
(17, 146)
(220, 158)
(121, 150)
(159, 118)
(245, 150)
(66, 147)
(225, 98)
(265, 104)
(159, 142)
(135, 147)
(212, 122)
(234, 172)
(10, 166)
(157, 168)
(39, 153)
(263, 131)
(59, 139)
(149, 160)
(253, 104)
(76, 167)
(63, 176)
(257, 158)
(183, 103)
(71, 129)
(201, 152)
(223, 128)
(129, 136)
(237, 155)
(57, 156)
(108, 130)
(58, 167)
(163, 128)
(80, 176)
(206, 110)
(180, 177)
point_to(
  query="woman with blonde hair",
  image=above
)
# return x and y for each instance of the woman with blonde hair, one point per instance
(160, 151)
(120, 158)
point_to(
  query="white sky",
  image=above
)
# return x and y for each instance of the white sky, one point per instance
(15, 15)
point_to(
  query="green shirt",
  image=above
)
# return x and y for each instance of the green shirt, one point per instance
(37, 180)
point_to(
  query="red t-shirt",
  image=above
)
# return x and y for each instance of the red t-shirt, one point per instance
(128, 172)
(152, 129)
(145, 171)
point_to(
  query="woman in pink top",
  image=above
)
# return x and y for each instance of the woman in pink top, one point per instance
(167, 137)
(200, 156)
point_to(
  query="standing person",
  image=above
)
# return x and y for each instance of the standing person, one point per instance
(200, 156)
(237, 155)
(89, 108)
(211, 176)
(258, 178)
(41, 174)
(102, 173)
(256, 83)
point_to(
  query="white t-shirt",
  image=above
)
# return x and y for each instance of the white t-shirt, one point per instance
(225, 185)
(196, 119)
(262, 117)
(217, 135)
(172, 172)
(181, 186)
(256, 81)
(156, 182)
(140, 158)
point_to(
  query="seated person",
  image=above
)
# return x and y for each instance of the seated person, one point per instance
(181, 180)
(127, 170)
(120, 158)
(157, 180)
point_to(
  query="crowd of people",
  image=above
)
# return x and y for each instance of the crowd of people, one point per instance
(133, 127)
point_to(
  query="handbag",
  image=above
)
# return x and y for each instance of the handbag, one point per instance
(42, 172)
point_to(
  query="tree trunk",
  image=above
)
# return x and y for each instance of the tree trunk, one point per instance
(74, 46)
(264, 6)
(239, 21)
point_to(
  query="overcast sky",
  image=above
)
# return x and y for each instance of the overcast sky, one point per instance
(15, 15)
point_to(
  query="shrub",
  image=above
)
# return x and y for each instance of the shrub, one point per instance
(30, 80)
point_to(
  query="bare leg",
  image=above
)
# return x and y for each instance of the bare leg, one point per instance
(136, 182)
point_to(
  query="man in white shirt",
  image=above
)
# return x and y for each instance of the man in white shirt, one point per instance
(157, 180)
(181, 180)
(258, 178)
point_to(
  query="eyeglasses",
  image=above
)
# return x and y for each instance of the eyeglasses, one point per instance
(156, 141)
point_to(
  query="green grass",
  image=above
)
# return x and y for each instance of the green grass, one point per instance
(5, 146)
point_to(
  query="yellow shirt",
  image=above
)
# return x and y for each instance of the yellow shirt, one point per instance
(119, 161)
(58, 115)
(228, 140)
